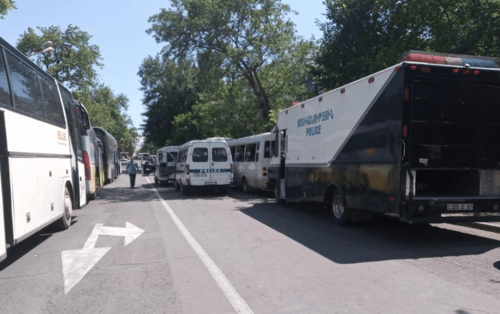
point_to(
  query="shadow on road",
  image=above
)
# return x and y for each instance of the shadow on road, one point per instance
(379, 240)
(23, 248)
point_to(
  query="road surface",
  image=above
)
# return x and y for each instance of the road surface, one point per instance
(208, 253)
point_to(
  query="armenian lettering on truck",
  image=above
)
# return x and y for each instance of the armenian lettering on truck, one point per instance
(418, 140)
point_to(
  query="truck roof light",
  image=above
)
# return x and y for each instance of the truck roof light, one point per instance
(342, 90)
(476, 72)
(425, 69)
(455, 71)
(371, 79)
(407, 94)
(450, 59)
(466, 72)
(413, 67)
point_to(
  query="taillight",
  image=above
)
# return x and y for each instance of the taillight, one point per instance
(264, 169)
(232, 169)
(187, 169)
(86, 162)
(407, 94)
(405, 130)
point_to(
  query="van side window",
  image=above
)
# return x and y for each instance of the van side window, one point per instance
(219, 154)
(240, 152)
(267, 149)
(232, 148)
(250, 152)
(200, 154)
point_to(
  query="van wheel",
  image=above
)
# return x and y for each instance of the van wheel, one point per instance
(177, 186)
(339, 212)
(279, 200)
(65, 221)
(156, 180)
(184, 189)
(246, 189)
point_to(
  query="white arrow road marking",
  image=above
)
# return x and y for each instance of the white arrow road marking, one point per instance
(239, 305)
(77, 263)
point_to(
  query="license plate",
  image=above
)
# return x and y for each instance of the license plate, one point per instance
(210, 183)
(452, 207)
(204, 175)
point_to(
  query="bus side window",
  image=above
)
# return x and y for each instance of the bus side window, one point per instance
(4, 84)
(53, 106)
(267, 149)
(240, 153)
(250, 152)
(232, 148)
(26, 87)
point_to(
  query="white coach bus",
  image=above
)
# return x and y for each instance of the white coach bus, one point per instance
(204, 163)
(251, 158)
(40, 151)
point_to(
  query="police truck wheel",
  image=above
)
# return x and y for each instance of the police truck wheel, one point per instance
(279, 200)
(65, 221)
(340, 213)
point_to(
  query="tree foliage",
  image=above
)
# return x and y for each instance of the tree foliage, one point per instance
(107, 110)
(247, 35)
(73, 61)
(170, 88)
(6, 6)
(363, 36)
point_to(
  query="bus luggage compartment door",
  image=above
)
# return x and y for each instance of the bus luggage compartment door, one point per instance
(3, 245)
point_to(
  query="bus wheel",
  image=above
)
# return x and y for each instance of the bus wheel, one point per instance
(246, 189)
(184, 189)
(65, 221)
(340, 213)
(279, 200)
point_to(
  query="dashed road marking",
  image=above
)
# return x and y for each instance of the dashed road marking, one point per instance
(227, 288)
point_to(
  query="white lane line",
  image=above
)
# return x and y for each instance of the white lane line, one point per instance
(231, 294)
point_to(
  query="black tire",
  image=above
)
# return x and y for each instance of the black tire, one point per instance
(224, 190)
(244, 186)
(279, 200)
(156, 180)
(339, 212)
(92, 196)
(65, 221)
(177, 186)
(184, 189)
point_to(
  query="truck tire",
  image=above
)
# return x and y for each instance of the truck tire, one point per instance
(339, 212)
(65, 221)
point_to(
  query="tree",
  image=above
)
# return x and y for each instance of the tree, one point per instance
(107, 110)
(247, 35)
(170, 88)
(364, 36)
(73, 61)
(6, 6)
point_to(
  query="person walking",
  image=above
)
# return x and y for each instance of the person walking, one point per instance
(132, 171)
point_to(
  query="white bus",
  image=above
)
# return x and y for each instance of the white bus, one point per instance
(165, 164)
(41, 161)
(251, 158)
(204, 163)
(90, 148)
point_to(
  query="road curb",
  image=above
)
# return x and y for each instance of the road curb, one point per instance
(481, 226)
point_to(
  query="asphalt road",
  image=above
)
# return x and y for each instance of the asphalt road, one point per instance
(208, 253)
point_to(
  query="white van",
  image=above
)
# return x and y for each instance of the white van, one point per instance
(204, 163)
(251, 159)
(165, 164)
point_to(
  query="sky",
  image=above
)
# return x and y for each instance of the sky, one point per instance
(119, 29)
